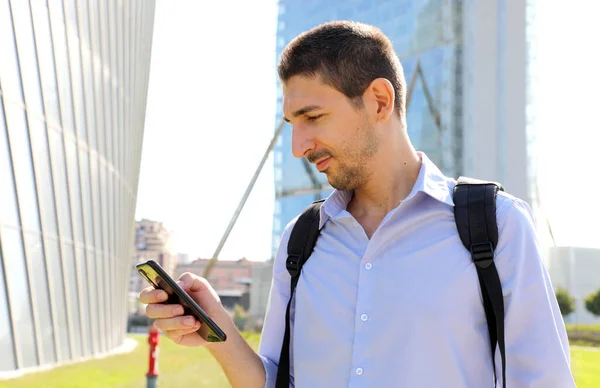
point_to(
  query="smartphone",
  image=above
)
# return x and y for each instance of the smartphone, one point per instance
(160, 279)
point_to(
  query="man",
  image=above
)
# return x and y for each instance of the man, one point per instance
(390, 296)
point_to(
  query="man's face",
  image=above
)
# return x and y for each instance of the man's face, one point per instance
(330, 131)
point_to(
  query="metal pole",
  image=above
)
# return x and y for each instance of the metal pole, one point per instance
(151, 382)
(411, 84)
(153, 340)
(233, 220)
(430, 103)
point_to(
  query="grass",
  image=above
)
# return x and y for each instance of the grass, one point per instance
(180, 367)
(583, 327)
(586, 367)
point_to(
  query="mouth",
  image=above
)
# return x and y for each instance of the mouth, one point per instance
(322, 164)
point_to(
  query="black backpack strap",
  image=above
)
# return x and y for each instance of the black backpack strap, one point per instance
(300, 246)
(475, 215)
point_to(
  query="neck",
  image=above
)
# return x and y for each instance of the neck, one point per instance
(395, 170)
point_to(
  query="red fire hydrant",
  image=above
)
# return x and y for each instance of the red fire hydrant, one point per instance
(153, 339)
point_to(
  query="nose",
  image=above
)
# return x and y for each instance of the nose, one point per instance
(302, 141)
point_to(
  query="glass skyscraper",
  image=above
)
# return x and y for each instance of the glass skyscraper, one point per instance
(73, 82)
(422, 32)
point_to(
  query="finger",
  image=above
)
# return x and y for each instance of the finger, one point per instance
(176, 334)
(176, 323)
(152, 295)
(164, 310)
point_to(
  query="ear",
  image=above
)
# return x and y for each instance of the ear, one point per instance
(380, 94)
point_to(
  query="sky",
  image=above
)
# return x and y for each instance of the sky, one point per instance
(211, 111)
(210, 117)
(566, 87)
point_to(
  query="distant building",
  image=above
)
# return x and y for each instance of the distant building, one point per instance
(578, 271)
(152, 241)
(261, 287)
(183, 258)
(232, 280)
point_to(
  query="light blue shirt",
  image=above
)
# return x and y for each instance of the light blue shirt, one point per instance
(404, 309)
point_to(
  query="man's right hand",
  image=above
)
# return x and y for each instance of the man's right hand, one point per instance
(241, 364)
(169, 317)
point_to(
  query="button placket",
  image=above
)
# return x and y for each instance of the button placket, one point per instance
(365, 288)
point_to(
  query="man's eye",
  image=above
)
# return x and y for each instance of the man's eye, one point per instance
(313, 118)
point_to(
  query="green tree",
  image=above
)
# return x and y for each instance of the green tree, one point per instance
(566, 302)
(592, 303)
(240, 317)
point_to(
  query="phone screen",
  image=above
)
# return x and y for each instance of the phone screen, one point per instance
(157, 277)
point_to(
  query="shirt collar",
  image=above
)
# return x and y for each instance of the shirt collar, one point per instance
(430, 181)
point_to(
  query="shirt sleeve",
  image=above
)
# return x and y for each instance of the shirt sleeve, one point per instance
(274, 323)
(537, 347)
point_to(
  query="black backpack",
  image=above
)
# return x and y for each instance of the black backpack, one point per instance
(475, 215)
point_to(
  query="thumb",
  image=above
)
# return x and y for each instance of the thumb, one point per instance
(194, 283)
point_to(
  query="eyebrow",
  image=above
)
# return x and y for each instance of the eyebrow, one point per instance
(302, 111)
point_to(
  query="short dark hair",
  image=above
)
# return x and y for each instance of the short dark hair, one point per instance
(348, 56)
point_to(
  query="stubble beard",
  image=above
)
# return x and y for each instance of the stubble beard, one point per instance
(352, 171)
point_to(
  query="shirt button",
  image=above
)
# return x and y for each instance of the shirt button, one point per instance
(364, 317)
(368, 266)
(359, 371)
